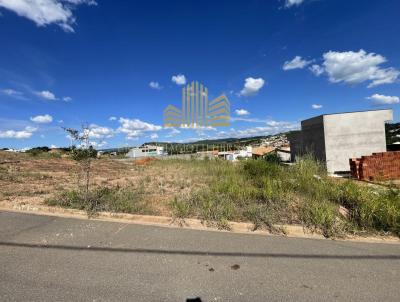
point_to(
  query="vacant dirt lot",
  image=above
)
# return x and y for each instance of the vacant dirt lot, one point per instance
(29, 179)
(265, 193)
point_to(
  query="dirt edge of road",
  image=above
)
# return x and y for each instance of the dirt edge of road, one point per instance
(296, 231)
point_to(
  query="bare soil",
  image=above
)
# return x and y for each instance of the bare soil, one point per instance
(25, 179)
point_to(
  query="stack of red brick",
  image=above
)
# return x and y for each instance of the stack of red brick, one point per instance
(383, 165)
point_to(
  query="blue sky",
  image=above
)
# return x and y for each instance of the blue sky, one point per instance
(117, 64)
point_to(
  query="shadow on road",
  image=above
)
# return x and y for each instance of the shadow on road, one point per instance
(198, 253)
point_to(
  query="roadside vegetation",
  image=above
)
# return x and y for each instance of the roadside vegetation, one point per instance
(269, 194)
(263, 192)
(110, 199)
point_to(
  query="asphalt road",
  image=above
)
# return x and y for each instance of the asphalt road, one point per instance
(45, 258)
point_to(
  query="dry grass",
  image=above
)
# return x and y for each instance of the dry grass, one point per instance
(215, 191)
(27, 179)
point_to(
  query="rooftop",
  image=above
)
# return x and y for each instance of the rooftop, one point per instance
(349, 112)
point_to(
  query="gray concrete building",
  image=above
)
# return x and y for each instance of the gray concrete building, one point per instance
(335, 138)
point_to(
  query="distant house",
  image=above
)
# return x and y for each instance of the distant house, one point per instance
(283, 154)
(258, 152)
(236, 155)
(147, 150)
(335, 138)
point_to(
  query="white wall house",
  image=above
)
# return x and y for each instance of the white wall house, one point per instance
(144, 151)
(234, 155)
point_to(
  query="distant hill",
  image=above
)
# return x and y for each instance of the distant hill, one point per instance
(392, 136)
(213, 141)
(254, 140)
(223, 143)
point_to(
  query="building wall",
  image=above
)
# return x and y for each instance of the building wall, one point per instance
(283, 156)
(335, 138)
(313, 137)
(295, 140)
(146, 151)
(354, 134)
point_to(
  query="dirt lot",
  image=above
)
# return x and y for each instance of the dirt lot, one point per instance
(29, 179)
(264, 193)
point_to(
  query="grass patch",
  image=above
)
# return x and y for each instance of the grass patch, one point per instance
(180, 209)
(267, 193)
(114, 199)
(263, 192)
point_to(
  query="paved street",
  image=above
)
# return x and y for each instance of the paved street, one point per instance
(45, 258)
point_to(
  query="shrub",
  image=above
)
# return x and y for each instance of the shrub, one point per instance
(115, 199)
(272, 157)
(263, 215)
(83, 154)
(382, 212)
(38, 150)
(180, 208)
(321, 215)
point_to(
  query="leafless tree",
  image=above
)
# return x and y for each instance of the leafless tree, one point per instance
(83, 154)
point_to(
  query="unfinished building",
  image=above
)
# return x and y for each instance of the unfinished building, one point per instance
(335, 138)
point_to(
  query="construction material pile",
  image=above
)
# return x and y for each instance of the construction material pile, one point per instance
(378, 166)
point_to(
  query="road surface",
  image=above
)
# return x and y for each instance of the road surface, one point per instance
(44, 258)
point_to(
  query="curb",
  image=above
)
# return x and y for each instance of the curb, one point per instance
(292, 231)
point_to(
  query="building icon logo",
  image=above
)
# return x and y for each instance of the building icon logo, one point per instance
(197, 111)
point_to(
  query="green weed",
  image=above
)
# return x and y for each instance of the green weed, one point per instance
(115, 199)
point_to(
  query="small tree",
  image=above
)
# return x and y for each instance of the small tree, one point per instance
(84, 155)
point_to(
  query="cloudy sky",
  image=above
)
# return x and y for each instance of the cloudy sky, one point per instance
(116, 65)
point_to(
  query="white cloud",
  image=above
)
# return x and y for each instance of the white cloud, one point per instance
(272, 127)
(296, 63)
(173, 132)
(11, 92)
(317, 70)
(42, 119)
(316, 106)
(132, 138)
(45, 12)
(45, 94)
(61, 121)
(26, 133)
(135, 127)
(155, 85)
(254, 131)
(67, 99)
(356, 67)
(154, 136)
(98, 144)
(112, 118)
(241, 112)
(179, 79)
(249, 120)
(290, 3)
(202, 131)
(99, 132)
(252, 86)
(77, 2)
(379, 99)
